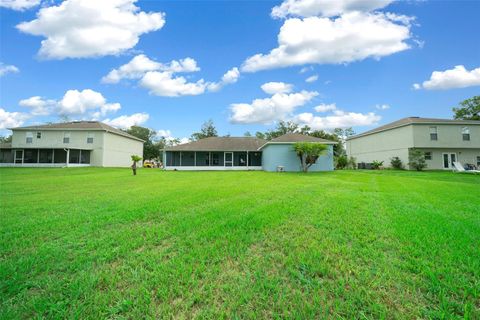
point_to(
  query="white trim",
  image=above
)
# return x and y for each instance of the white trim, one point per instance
(215, 168)
(450, 162)
(44, 165)
(225, 159)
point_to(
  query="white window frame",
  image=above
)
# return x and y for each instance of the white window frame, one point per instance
(225, 159)
(66, 137)
(433, 131)
(29, 137)
(90, 135)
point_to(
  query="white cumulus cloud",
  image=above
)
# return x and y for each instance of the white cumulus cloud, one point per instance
(167, 85)
(74, 103)
(277, 107)
(85, 28)
(141, 64)
(354, 36)
(11, 119)
(312, 78)
(458, 77)
(382, 106)
(19, 5)
(4, 69)
(325, 107)
(38, 106)
(162, 79)
(277, 87)
(125, 122)
(339, 119)
(325, 8)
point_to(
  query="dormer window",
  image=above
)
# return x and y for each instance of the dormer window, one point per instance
(465, 134)
(433, 133)
(29, 137)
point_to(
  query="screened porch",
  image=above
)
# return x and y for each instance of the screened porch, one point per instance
(214, 159)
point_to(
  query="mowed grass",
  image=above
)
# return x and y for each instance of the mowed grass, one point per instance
(99, 243)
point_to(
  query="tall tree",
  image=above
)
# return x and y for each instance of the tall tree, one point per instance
(468, 110)
(6, 139)
(283, 127)
(150, 150)
(208, 130)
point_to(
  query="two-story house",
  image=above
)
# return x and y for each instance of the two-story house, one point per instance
(443, 141)
(77, 143)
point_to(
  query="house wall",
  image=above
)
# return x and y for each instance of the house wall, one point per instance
(382, 146)
(274, 155)
(449, 136)
(53, 139)
(463, 155)
(117, 150)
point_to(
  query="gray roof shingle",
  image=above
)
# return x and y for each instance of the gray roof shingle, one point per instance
(414, 120)
(221, 144)
(297, 137)
(79, 125)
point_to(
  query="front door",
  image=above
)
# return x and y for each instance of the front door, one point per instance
(228, 159)
(18, 156)
(448, 160)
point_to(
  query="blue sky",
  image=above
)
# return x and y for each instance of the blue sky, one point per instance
(353, 80)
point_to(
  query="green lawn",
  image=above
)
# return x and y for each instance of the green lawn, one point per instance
(100, 243)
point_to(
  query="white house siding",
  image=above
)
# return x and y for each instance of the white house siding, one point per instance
(464, 156)
(382, 146)
(117, 150)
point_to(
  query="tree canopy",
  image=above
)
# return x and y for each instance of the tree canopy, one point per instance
(308, 153)
(208, 130)
(151, 149)
(468, 110)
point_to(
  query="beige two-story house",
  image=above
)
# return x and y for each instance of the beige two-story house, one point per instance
(77, 143)
(443, 141)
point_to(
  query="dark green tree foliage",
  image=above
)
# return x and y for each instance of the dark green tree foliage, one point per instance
(416, 159)
(396, 163)
(308, 153)
(6, 139)
(468, 110)
(208, 130)
(341, 162)
(150, 149)
(283, 127)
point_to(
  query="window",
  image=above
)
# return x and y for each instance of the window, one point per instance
(433, 133)
(39, 135)
(478, 161)
(428, 156)
(66, 137)
(465, 134)
(29, 138)
(90, 137)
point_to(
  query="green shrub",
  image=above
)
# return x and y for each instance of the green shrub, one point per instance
(376, 164)
(352, 163)
(416, 159)
(341, 162)
(396, 163)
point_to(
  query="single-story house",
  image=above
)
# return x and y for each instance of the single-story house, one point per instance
(443, 141)
(73, 144)
(244, 153)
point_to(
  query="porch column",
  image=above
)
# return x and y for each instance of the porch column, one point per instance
(195, 158)
(181, 154)
(68, 156)
(209, 159)
(80, 157)
(247, 159)
(53, 155)
(38, 156)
